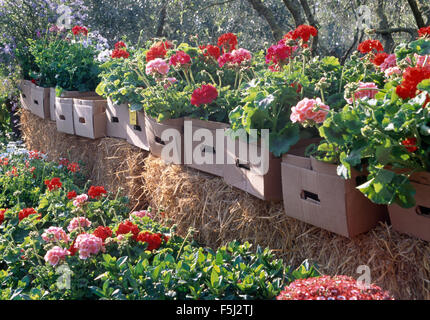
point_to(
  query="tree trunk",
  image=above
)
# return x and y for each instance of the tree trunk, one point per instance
(295, 9)
(387, 38)
(417, 13)
(162, 19)
(267, 14)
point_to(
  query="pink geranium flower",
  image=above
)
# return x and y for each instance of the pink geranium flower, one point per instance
(53, 234)
(389, 62)
(55, 255)
(140, 214)
(309, 110)
(88, 244)
(79, 222)
(80, 200)
(365, 89)
(157, 67)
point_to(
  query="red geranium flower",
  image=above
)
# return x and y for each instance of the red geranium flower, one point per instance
(228, 42)
(332, 288)
(120, 53)
(204, 95)
(152, 239)
(72, 195)
(103, 232)
(158, 50)
(179, 59)
(24, 213)
(73, 167)
(96, 192)
(211, 51)
(424, 32)
(411, 78)
(303, 32)
(410, 144)
(127, 227)
(79, 30)
(120, 44)
(53, 184)
(379, 58)
(2, 212)
(370, 45)
(73, 249)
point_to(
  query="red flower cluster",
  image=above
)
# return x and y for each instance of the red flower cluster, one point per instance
(4, 161)
(411, 78)
(180, 59)
(211, 51)
(24, 213)
(120, 44)
(379, 58)
(332, 288)
(120, 52)
(227, 41)
(63, 162)
(424, 32)
(72, 195)
(127, 227)
(73, 167)
(298, 86)
(103, 233)
(2, 212)
(77, 30)
(53, 184)
(158, 50)
(204, 95)
(152, 239)
(278, 54)
(370, 45)
(96, 192)
(303, 32)
(36, 155)
(410, 144)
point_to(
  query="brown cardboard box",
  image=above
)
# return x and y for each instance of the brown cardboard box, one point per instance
(117, 120)
(64, 115)
(40, 102)
(241, 174)
(65, 94)
(25, 95)
(414, 221)
(136, 132)
(89, 117)
(315, 194)
(208, 148)
(154, 132)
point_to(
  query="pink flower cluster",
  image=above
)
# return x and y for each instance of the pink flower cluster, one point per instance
(235, 58)
(140, 214)
(389, 62)
(332, 288)
(365, 89)
(180, 59)
(79, 222)
(157, 67)
(53, 234)
(88, 244)
(278, 54)
(422, 61)
(392, 71)
(80, 200)
(55, 255)
(312, 110)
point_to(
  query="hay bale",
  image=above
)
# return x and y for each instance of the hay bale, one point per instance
(397, 262)
(108, 162)
(219, 213)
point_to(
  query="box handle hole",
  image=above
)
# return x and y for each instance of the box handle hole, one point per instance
(159, 141)
(81, 120)
(36, 102)
(61, 117)
(137, 128)
(243, 165)
(310, 196)
(423, 211)
(114, 120)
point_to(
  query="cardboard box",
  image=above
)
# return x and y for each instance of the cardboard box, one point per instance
(89, 117)
(136, 130)
(414, 221)
(39, 104)
(243, 175)
(208, 149)
(117, 120)
(64, 115)
(25, 95)
(315, 194)
(65, 94)
(154, 131)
